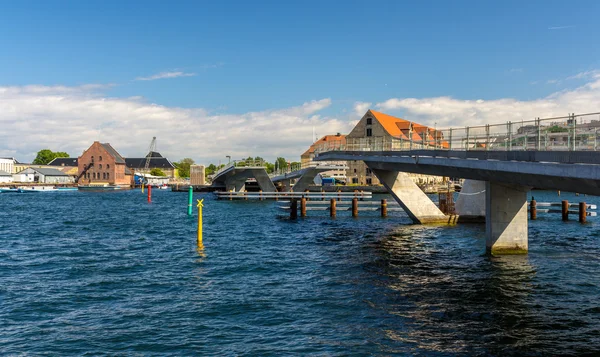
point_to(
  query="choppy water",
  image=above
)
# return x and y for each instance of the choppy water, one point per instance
(107, 273)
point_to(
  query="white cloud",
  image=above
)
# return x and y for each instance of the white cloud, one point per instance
(585, 75)
(360, 108)
(450, 112)
(71, 118)
(553, 81)
(163, 75)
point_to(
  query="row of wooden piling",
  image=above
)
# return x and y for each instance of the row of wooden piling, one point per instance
(564, 211)
(332, 207)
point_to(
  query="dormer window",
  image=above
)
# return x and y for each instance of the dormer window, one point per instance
(369, 121)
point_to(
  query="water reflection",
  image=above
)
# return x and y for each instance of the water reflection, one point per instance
(450, 301)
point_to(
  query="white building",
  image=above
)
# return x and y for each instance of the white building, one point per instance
(7, 164)
(42, 175)
(5, 177)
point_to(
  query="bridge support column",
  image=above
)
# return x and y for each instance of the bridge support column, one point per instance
(470, 205)
(307, 178)
(506, 219)
(236, 185)
(410, 197)
(264, 182)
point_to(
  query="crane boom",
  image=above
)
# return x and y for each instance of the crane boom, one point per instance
(150, 151)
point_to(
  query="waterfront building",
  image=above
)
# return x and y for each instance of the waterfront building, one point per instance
(326, 143)
(42, 175)
(157, 161)
(101, 164)
(377, 131)
(5, 177)
(7, 164)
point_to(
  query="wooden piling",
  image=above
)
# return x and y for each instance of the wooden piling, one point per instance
(339, 195)
(383, 207)
(533, 210)
(293, 209)
(260, 195)
(303, 207)
(355, 207)
(565, 210)
(332, 205)
(582, 212)
(322, 194)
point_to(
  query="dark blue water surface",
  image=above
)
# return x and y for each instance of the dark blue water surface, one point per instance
(86, 273)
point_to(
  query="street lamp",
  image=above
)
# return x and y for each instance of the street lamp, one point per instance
(228, 159)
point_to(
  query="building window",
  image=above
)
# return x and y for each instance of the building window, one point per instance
(369, 121)
(92, 159)
(369, 181)
(369, 171)
(107, 166)
(99, 158)
(355, 180)
(369, 132)
(108, 175)
(354, 170)
(104, 175)
(100, 166)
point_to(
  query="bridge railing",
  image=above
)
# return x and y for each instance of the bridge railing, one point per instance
(241, 163)
(571, 132)
(299, 166)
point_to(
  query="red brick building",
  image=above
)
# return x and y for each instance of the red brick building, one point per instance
(101, 164)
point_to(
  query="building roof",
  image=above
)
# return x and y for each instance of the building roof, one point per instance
(4, 173)
(63, 161)
(338, 140)
(401, 129)
(43, 171)
(156, 161)
(118, 158)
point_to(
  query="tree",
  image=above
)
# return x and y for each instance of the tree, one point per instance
(280, 164)
(157, 172)
(210, 169)
(183, 167)
(46, 155)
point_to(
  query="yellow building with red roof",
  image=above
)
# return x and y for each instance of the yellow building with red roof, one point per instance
(377, 131)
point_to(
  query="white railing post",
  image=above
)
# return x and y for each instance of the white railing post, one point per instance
(467, 143)
(450, 140)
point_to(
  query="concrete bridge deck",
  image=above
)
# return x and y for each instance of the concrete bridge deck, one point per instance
(502, 177)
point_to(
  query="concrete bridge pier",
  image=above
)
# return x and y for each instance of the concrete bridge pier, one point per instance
(410, 197)
(307, 178)
(506, 218)
(235, 184)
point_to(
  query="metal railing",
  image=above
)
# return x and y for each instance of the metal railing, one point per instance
(567, 133)
(335, 165)
(241, 163)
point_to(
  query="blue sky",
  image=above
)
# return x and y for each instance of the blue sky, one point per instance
(237, 57)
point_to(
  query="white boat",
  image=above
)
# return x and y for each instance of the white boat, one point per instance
(34, 189)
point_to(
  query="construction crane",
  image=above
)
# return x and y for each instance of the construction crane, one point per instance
(150, 151)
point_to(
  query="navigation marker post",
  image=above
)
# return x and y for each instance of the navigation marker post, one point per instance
(190, 200)
(200, 205)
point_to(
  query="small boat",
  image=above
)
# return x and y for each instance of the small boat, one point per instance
(36, 189)
(8, 190)
(163, 187)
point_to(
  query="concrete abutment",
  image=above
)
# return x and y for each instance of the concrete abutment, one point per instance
(411, 198)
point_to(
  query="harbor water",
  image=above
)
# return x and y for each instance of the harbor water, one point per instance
(106, 273)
